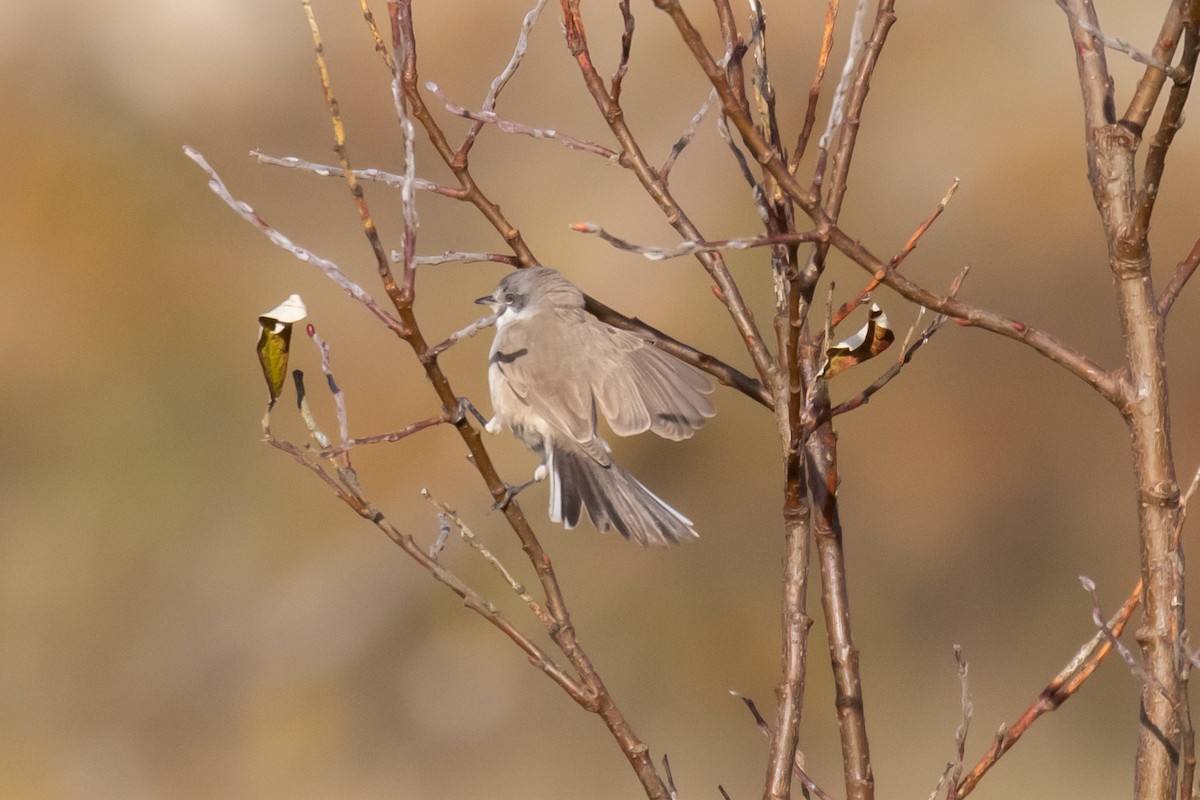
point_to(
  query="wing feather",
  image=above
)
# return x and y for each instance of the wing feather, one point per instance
(639, 387)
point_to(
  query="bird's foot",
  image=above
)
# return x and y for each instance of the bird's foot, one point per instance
(511, 492)
(463, 406)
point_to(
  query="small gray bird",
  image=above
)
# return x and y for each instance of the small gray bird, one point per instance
(552, 366)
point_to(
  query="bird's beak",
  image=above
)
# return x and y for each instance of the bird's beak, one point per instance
(486, 300)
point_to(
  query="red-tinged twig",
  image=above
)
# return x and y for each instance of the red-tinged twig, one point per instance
(329, 268)
(1105, 382)
(373, 174)
(864, 397)
(814, 92)
(690, 248)
(1064, 686)
(1183, 272)
(501, 80)
(861, 60)
(865, 294)
(1131, 661)
(470, 191)
(906, 354)
(1072, 677)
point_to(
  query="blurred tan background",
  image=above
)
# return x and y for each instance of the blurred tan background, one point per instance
(185, 613)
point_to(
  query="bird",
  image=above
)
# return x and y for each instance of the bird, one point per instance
(554, 368)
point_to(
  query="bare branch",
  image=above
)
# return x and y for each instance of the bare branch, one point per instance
(469, 537)
(329, 268)
(1183, 272)
(685, 138)
(501, 80)
(689, 248)
(968, 710)
(506, 126)
(467, 332)
(797, 768)
(654, 185)
(1064, 686)
(376, 175)
(1155, 61)
(814, 92)
(909, 246)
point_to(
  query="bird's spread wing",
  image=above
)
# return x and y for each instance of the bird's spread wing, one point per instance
(639, 387)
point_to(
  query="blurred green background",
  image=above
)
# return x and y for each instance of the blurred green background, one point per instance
(186, 613)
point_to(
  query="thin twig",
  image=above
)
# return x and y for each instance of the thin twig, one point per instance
(487, 117)
(339, 147)
(1179, 278)
(618, 77)
(652, 182)
(685, 138)
(501, 80)
(456, 257)
(390, 437)
(467, 332)
(814, 91)
(1172, 117)
(690, 248)
(329, 268)
(375, 175)
(909, 246)
(797, 768)
(964, 725)
(1061, 688)
(469, 537)
(1121, 45)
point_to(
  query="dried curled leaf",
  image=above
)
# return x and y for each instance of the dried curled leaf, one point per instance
(274, 339)
(871, 340)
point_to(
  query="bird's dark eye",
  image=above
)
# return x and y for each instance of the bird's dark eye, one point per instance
(509, 298)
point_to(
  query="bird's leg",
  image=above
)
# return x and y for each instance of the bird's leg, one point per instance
(465, 405)
(511, 492)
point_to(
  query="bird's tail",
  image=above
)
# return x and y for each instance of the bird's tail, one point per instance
(613, 498)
